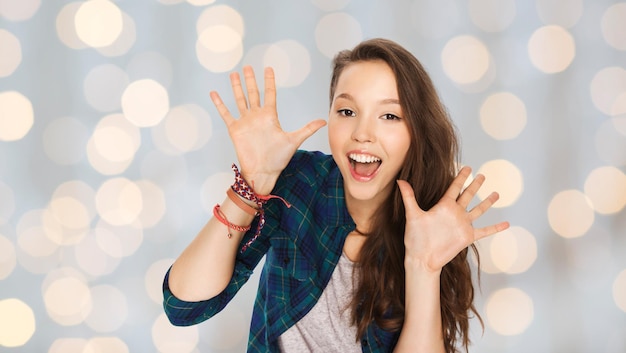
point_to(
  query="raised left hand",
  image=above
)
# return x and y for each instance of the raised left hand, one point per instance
(436, 236)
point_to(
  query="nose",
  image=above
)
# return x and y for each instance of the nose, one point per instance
(363, 129)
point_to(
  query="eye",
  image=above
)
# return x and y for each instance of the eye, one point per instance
(390, 116)
(346, 112)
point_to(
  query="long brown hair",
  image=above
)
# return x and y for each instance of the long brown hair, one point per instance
(430, 167)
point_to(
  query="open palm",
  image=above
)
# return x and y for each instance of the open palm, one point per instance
(436, 236)
(263, 148)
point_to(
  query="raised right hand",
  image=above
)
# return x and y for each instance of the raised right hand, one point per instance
(263, 148)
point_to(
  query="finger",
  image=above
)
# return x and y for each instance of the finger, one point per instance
(240, 97)
(251, 86)
(457, 184)
(482, 207)
(468, 194)
(484, 232)
(221, 108)
(411, 206)
(306, 131)
(270, 88)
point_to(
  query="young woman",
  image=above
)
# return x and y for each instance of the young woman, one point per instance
(367, 248)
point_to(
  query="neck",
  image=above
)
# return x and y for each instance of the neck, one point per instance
(361, 213)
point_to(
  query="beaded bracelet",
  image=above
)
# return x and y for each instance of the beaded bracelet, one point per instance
(220, 216)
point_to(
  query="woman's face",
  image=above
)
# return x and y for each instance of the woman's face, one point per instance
(368, 134)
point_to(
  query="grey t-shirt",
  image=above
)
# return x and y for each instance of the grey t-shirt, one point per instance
(327, 327)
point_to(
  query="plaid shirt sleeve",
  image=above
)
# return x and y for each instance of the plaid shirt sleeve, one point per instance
(184, 313)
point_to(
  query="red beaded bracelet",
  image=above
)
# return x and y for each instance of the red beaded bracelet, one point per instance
(220, 216)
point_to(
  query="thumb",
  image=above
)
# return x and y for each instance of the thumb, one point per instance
(307, 130)
(411, 206)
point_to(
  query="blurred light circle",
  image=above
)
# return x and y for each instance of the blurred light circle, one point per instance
(35, 236)
(434, 19)
(114, 125)
(565, 13)
(509, 311)
(124, 41)
(119, 241)
(11, 53)
(65, 140)
(98, 23)
(7, 206)
(330, 5)
(106, 344)
(220, 15)
(8, 259)
(551, 49)
(103, 87)
(570, 214)
(113, 143)
(220, 39)
(606, 87)
(610, 144)
(16, 116)
(66, 30)
(68, 300)
(69, 345)
(614, 26)
(110, 309)
(184, 129)
(153, 279)
(173, 339)
(487, 264)
(200, 2)
(17, 323)
(92, 259)
(70, 212)
(58, 232)
(503, 116)
(119, 201)
(606, 188)
(153, 201)
(145, 103)
(504, 178)
(170, 2)
(34, 242)
(328, 41)
(513, 250)
(290, 60)
(619, 123)
(492, 15)
(219, 48)
(618, 108)
(619, 290)
(150, 65)
(18, 10)
(465, 59)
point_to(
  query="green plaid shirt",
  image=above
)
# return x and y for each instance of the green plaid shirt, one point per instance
(302, 243)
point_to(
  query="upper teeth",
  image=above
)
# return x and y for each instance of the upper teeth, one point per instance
(363, 158)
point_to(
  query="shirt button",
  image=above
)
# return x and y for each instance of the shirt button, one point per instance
(286, 261)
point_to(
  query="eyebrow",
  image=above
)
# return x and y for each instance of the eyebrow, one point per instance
(383, 101)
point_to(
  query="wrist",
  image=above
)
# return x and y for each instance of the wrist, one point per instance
(415, 265)
(261, 184)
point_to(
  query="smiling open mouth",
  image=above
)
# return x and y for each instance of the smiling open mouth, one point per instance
(364, 165)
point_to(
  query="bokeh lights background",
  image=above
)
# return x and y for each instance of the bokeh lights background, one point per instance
(112, 156)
